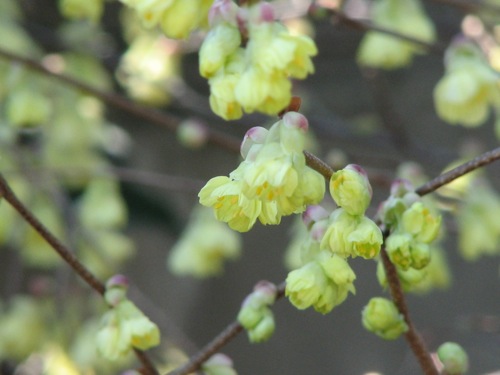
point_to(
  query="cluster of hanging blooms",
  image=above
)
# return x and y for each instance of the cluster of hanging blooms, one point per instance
(272, 181)
(124, 326)
(176, 18)
(382, 317)
(469, 88)
(413, 226)
(203, 246)
(324, 279)
(249, 58)
(255, 315)
(407, 17)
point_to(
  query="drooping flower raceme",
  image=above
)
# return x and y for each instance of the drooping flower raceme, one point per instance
(413, 226)
(124, 326)
(469, 87)
(384, 51)
(255, 315)
(273, 180)
(350, 232)
(254, 77)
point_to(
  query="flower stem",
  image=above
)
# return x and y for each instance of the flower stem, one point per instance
(413, 338)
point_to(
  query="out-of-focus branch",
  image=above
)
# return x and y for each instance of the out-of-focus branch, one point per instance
(364, 26)
(152, 115)
(66, 254)
(479, 161)
(469, 6)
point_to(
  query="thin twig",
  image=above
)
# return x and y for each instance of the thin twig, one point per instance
(368, 26)
(230, 332)
(412, 336)
(66, 254)
(319, 165)
(7, 194)
(154, 116)
(479, 161)
(469, 6)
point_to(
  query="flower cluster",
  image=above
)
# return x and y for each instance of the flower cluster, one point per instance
(254, 77)
(413, 226)
(350, 232)
(469, 87)
(255, 315)
(124, 326)
(203, 246)
(382, 317)
(177, 18)
(407, 17)
(324, 278)
(273, 180)
(322, 283)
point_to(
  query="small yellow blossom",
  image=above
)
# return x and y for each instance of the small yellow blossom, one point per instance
(177, 18)
(204, 246)
(402, 16)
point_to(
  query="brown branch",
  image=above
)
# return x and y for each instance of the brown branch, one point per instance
(223, 338)
(479, 161)
(66, 254)
(368, 26)
(469, 6)
(319, 165)
(412, 336)
(152, 115)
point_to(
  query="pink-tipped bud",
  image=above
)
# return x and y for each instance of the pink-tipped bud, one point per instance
(223, 11)
(266, 12)
(264, 292)
(218, 360)
(295, 120)
(400, 187)
(255, 135)
(117, 281)
(313, 214)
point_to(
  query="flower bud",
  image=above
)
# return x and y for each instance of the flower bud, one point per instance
(192, 134)
(398, 248)
(454, 358)
(304, 286)
(116, 290)
(420, 255)
(222, 41)
(254, 136)
(382, 317)
(351, 189)
(264, 328)
(26, 108)
(419, 221)
(313, 214)
(218, 364)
